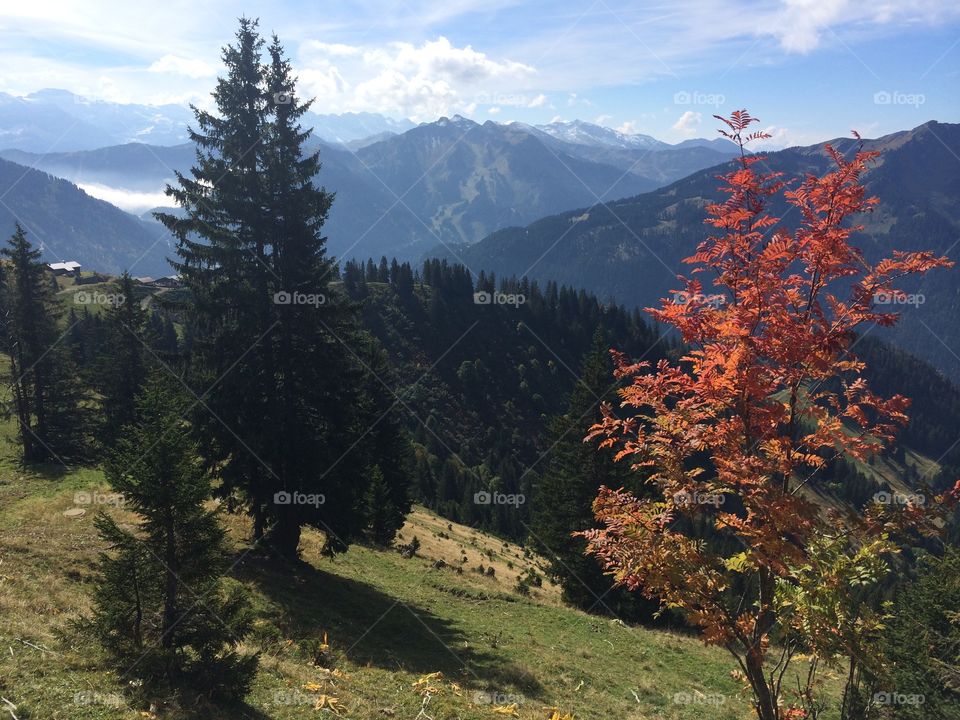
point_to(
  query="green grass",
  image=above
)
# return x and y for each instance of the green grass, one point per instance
(388, 621)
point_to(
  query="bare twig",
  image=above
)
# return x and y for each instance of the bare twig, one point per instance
(10, 707)
(41, 648)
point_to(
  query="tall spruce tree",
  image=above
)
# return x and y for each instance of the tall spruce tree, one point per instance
(382, 513)
(46, 388)
(123, 369)
(160, 599)
(281, 423)
(564, 494)
(218, 261)
(387, 446)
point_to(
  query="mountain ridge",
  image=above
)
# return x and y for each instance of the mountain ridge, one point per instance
(630, 250)
(450, 182)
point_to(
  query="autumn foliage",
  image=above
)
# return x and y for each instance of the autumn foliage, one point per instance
(767, 395)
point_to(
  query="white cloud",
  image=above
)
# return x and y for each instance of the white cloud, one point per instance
(330, 49)
(129, 200)
(602, 119)
(575, 99)
(781, 137)
(801, 22)
(422, 82)
(539, 101)
(493, 110)
(323, 81)
(628, 128)
(192, 68)
(688, 122)
(801, 25)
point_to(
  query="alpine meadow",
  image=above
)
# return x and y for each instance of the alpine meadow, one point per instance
(482, 360)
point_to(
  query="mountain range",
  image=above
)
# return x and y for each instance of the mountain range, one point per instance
(56, 120)
(631, 250)
(449, 182)
(53, 120)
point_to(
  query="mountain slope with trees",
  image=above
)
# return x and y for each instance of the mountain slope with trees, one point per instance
(630, 251)
(68, 224)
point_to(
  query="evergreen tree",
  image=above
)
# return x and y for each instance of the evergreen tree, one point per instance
(564, 495)
(45, 384)
(122, 369)
(221, 259)
(159, 598)
(387, 447)
(270, 333)
(160, 335)
(169, 345)
(922, 641)
(382, 514)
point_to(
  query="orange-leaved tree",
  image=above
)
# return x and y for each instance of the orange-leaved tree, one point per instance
(767, 394)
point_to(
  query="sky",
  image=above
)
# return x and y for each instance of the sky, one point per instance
(809, 69)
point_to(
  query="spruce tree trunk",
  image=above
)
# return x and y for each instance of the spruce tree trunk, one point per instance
(170, 589)
(39, 408)
(23, 412)
(284, 537)
(138, 617)
(258, 520)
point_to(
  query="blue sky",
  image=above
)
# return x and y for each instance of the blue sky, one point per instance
(810, 69)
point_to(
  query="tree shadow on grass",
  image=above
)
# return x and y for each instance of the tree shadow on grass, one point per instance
(224, 711)
(372, 628)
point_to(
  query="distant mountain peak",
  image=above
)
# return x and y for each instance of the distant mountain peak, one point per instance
(51, 94)
(455, 120)
(351, 127)
(715, 143)
(586, 133)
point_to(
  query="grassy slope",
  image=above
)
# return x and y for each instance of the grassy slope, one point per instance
(389, 619)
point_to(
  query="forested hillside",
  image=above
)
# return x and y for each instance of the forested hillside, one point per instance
(632, 250)
(71, 225)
